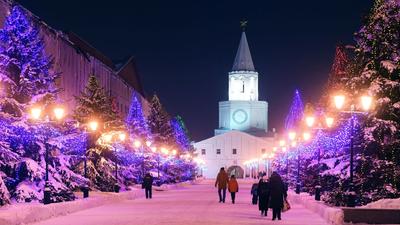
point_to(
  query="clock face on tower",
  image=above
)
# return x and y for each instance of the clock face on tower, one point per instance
(239, 116)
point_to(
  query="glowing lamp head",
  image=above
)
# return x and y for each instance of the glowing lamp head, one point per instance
(153, 149)
(339, 101)
(93, 125)
(284, 149)
(36, 113)
(329, 121)
(164, 150)
(59, 113)
(310, 121)
(173, 152)
(306, 136)
(122, 136)
(282, 143)
(137, 143)
(292, 135)
(148, 143)
(366, 102)
(293, 144)
(108, 138)
(274, 149)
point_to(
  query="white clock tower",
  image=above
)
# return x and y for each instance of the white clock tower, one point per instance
(242, 133)
(243, 111)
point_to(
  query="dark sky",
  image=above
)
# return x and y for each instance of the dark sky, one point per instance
(185, 49)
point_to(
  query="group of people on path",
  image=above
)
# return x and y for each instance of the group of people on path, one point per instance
(223, 182)
(268, 192)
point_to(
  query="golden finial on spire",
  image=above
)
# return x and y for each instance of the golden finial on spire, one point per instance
(243, 24)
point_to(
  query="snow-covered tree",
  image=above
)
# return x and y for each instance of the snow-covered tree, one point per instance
(23, 59)
(94, 103)
(159, 123)
(378, 56)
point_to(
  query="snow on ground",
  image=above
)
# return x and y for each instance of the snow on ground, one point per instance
(384, 204)
(195, 204)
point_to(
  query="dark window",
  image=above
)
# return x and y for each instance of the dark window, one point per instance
(203, 151)
(218, 151)
(263, 151)
(234, 151)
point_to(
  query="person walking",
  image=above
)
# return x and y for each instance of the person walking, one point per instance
(147, 185)
(278, 193)
(233, 187)
(263, 195)
(221, 182)
(254, 193)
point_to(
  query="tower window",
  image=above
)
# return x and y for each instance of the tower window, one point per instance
(234, 151)
(242, 86)
(218, 151)
(203, 151)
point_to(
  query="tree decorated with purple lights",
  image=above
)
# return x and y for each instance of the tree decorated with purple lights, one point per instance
(25, 66)
(296, 112)
(181, 135)
(136, 121)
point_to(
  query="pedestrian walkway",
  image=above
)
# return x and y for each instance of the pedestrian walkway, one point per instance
(197, 204)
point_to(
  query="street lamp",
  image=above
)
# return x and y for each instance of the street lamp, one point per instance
(109, 138)
(35, 114)
(91, 128)
(139, 144)
(294, 138)
(365, 103)
(318, 124)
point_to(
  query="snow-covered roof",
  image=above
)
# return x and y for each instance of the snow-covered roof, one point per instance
(243, 60)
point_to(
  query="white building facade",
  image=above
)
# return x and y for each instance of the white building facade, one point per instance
(242, 134)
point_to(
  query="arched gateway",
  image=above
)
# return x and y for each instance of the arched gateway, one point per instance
(236, 170)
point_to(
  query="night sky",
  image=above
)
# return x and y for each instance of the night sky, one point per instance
(185, 49)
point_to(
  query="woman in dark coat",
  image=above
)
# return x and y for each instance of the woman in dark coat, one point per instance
(277, 193)
(263, 196)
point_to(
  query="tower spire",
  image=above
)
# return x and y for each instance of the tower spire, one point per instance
(243, 60)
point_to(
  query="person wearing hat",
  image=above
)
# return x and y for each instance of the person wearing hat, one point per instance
(263, 195)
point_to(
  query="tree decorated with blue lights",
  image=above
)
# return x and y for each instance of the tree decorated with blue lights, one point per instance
(181, 134)
(296, 111)
(25, 66)
(136, 121)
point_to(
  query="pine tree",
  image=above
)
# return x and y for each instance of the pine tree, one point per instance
(93, 103)
(296, 112)
(339, 74)
(159, 123)
(23, 58)
(378, 55)
(180, 133)
(136, 121)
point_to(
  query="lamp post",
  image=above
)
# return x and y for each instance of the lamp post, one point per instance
(293, 137)
(317, 124)
(154, 150)
(90, 128)
(364, 105)
(58, 114)
(110, 138)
